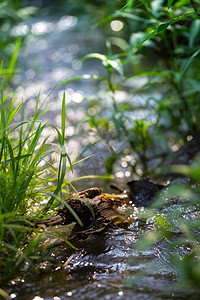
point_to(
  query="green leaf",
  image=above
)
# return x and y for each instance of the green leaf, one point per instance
(194, 32)
(14, 58)
(170, 3)
(63, 119)
(163, 26)
(160, 28)
(38, 155)
(85, 76)
(65, 154)
(148, 37)
(13, 113)
(95, 55)
(33, 243)
(116, 65)
(93, 176)
(107, 61)
(12, 159)
(34, 142)
(58, 132)
(109, 163)
(74, 214)
(190, 60)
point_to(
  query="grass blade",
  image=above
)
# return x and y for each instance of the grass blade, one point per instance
(66, 240)
(190, 60)
(63, 119)
(14, 59)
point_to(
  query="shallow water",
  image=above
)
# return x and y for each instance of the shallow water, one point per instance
(103, 267)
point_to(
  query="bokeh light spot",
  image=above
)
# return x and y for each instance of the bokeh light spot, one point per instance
(116, 25)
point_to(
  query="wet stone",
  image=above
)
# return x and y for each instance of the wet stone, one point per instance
(143, 191)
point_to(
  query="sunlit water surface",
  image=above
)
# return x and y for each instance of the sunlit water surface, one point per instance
(52, 53)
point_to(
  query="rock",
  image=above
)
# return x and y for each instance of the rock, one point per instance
(143, 191)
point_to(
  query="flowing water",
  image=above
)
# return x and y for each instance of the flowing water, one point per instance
(101, 270)
(105, 265)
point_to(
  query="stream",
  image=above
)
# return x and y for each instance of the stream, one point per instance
(106, 264)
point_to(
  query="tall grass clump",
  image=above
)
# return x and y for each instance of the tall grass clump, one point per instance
(25, 175)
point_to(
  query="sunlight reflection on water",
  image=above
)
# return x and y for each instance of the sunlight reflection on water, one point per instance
(53, 53)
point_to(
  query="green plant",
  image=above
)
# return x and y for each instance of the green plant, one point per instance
(158, 43)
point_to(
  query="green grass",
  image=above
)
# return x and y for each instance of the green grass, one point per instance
(25, 174)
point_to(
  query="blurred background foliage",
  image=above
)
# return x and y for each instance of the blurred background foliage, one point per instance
(153, 54)
(11, 13)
